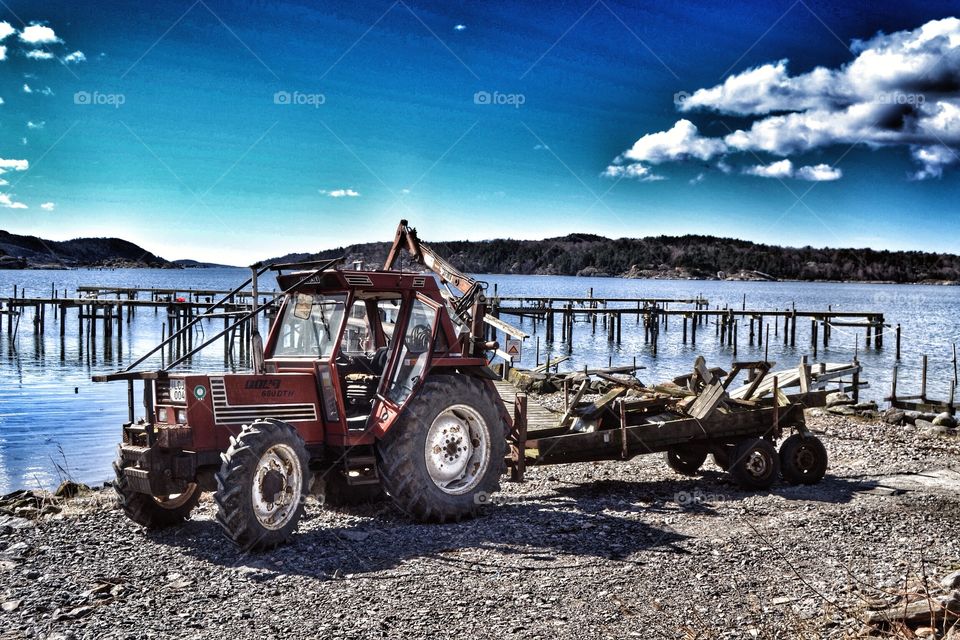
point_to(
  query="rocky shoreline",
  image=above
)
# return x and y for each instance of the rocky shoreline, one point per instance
(585, 550)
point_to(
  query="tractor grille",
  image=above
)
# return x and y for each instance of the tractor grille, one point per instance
(224, 413)
(163, 392)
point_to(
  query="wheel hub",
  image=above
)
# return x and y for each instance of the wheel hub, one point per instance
(271, 485)
(805, 459)
(277, 486)
(457, 449)
(756, 464)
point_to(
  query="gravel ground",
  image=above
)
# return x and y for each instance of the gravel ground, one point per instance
(585, 550)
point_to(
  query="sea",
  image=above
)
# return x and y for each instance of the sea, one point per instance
(55, 423)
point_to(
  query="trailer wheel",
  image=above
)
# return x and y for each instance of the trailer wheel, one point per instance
(446, 453)
(262, 484)
(154, 512)
(685, 460)
(723, 455)
(755, 464)
(332, 490)
(803, 459)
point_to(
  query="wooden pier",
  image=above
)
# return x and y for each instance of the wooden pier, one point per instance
(693, 314)
(101, 310)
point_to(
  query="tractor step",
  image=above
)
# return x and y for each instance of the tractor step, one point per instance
(361, 470)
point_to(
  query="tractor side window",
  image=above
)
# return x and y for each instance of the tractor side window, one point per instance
(310, 325)
(389, 310)
(358, 339)
(414, 351)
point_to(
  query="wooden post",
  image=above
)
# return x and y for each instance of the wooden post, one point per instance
(734, 341)
(923, 380)
(793, 329)
(766, 348)
(684, 329)
(898, 348)
(893, 384)
(856, 382)
(520, 426)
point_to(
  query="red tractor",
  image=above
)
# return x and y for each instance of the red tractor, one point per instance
(368, 382)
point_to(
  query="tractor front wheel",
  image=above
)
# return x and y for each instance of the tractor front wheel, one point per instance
(445, 454)
(154, 512)
(262, 485)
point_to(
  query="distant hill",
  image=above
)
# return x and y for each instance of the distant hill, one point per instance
(193, 264)
(691, 256)
(18, 252)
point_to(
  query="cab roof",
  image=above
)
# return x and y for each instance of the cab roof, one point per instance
(337, 280)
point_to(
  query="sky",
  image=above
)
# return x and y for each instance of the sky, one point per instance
(236, 131)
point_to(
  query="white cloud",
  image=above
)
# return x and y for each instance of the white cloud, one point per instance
(681, 142)
(933, 159)
(782, 169)
(9, 203)
(899, 90)
(16, 165)
(700, 177)
(39, 54)
(74, 58)
(779, 169)
(48, 206)
(26, 88)
(341, 193)
(819, 173)
(6, 30)
(3, 52)
(460, 27)
(36, 125)
(38, 34)
(636, 170)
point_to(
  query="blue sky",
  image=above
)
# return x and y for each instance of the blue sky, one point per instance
(238, 131)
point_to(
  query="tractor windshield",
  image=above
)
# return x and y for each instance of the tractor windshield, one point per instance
(310, 325)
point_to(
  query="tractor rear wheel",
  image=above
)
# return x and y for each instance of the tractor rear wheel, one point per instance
(154, 512)
(803, 459)
(445, 454)
(755, 464)
(685, 460)
(262, 485)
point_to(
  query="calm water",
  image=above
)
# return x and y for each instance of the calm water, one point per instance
(54, 420)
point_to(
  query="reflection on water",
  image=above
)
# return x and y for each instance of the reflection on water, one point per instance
(54, 421)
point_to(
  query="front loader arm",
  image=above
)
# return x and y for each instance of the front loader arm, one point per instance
(470, 307)
(406, 238)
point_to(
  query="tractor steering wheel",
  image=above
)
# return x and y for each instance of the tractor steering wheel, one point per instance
(418, 338)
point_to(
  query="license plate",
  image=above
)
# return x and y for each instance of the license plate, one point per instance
(178, 391)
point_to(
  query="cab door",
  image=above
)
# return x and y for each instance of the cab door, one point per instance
(409, 365)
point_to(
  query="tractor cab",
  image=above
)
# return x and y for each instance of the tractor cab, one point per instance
(370, 344)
